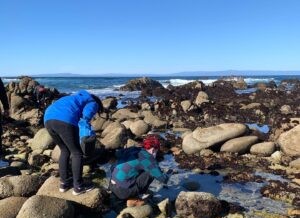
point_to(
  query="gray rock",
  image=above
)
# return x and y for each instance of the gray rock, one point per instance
(19, 186)
(110, 103)
(153, 120)
(46, 207)
(141, 83)
(202, 138)
(197, 204)
(239, 145)
(127, 123)
(16, 103)
(93, 199)
(10, 207)
(18, 164)
(201, 98)
(295, 163)
(186, 105)
(137, 212)
(124, 114)
(55, 154)
(114, 136)
(289, 142)
(139, 127)
(264, 148)
(42, 140)
(146, 106)
(163, 205)
(98, 123)
(286, 109)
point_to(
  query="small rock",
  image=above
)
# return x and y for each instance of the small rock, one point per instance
(295, 163)
(264, 148)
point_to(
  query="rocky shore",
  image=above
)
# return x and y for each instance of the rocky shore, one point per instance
(209, 129)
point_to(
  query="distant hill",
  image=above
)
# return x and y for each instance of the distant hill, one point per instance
(179, 74)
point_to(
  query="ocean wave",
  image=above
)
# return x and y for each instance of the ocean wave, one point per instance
(102, 93)
(251, 80)
(180, 82)
(7, 80)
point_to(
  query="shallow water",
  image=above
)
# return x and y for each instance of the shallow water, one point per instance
(246, 195)
(3, 163)
(261, 128)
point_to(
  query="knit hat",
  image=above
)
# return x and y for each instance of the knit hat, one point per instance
(151, 141)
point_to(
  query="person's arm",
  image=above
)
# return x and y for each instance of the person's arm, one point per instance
(3, 97)
(150, 165)
(89, 110)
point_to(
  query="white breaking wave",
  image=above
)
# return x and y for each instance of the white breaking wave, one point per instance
(251, 81)
(180, 82)
(102, 93)
(7, 80)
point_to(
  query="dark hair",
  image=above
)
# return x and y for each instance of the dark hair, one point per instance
(99, 102)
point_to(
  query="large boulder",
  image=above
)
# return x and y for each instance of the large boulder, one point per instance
(98, 123)
(124, 114)
(139, 127)
(46, 207)
(137, 212)
(94, 199)
(11, 206)
(239, 145)
(141, 83)
(202, 138)
(20, 186)
(32, 116)
(41, 140)
(289, 142)
(153, 120)
(16, 103)
(110, 103)
(114, 136)
(197, 204)
(264, 148)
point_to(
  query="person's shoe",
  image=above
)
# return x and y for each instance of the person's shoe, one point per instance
(135, 202)
(65, 186)
(83, 189)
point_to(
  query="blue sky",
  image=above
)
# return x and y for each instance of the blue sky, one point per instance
(148, 36)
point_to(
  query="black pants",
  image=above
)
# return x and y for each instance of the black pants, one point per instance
(67, 138)
(140, 186)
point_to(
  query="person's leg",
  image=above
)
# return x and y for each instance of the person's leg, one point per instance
(52, 127)
(70, 136)
(143, 182)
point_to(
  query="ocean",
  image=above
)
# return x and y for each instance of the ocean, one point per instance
(107, 86)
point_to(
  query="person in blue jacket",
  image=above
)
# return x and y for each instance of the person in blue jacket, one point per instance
(135, 170)
(63, 120)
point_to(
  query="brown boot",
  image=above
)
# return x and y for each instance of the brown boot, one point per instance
(135, 202)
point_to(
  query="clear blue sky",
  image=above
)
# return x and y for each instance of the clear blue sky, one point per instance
(148, 36)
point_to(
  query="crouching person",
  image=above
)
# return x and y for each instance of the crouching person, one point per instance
(134, 171)
(68, 122)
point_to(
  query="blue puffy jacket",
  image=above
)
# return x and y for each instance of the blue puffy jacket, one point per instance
(71, 108)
